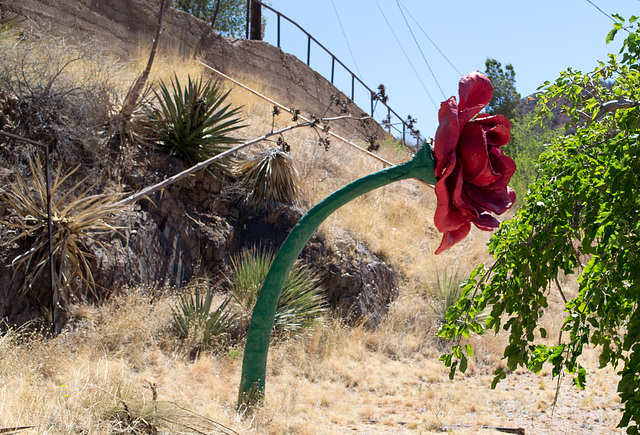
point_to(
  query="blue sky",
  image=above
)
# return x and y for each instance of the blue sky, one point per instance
(539, 38)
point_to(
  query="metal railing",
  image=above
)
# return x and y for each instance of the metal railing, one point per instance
(391, 114)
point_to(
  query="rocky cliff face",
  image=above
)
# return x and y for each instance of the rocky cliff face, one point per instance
(194, 226)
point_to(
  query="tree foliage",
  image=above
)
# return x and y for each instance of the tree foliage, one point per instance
(529, 139)
(506, 100)
(581, 215)
(231, 17)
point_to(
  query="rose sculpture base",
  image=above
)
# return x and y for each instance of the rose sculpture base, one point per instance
(254, 364)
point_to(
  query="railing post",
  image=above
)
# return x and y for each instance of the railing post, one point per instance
(333, 66)
(248, 19)
(371, 105)
(353, 85)
(256, 21)
(404, 128)
(333, 58)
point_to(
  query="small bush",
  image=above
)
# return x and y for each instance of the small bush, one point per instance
(301, 304)
(197, 324)
(192, 121)
(77, 218)
(269, 176)
(444, 293)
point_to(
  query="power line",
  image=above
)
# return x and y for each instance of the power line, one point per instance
(345, 38)
(420, 49)
(405, 55)
(431, 40)
(601, 11)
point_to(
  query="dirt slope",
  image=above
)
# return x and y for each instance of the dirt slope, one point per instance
(122, 26)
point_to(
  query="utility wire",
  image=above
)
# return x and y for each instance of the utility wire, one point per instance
(420, 49)
(345, 38)
(601, 11)
(405, 55)
(431, 40)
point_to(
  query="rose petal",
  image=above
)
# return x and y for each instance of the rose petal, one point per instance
(497, 128)
(446, 135)
(472, 150)
(497, 201)
(466, 206)
(450, 238)
(475, 92)
(486, 222)
(502, 165)
(447, 216)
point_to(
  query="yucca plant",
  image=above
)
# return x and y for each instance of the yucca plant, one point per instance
(301, 304)
(77, 217)
(269, 176)
(192, 121)
(445, 293)
(195, 321)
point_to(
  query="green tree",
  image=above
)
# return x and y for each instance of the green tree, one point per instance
(582, 212)
(529, 139)
(506, 100)
(231, 17)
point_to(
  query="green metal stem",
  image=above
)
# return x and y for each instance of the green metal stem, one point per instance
(254, 364)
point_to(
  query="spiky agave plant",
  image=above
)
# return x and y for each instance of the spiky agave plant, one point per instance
(194, 319)
(301, 304)
(77, 217)
(269, 176)
(192, 121)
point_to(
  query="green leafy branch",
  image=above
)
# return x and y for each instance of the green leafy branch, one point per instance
(580, 216)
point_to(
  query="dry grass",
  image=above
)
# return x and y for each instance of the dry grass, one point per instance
(334, 379)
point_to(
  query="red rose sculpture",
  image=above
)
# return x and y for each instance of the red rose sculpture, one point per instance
(471, 169)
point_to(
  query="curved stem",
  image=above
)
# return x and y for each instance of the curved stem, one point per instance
(254, 363)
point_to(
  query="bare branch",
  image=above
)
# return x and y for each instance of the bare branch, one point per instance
(612, 106)
(169, 181)
(134, 93)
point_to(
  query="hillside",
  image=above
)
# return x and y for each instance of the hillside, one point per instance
(119, 366)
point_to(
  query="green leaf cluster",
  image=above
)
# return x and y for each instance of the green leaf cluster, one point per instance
(301, 304)
(192, 121)
(195, 320)
(529, 139)
(581, 215)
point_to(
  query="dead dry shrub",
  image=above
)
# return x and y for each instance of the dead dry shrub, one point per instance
(269, 176)
(58, 91)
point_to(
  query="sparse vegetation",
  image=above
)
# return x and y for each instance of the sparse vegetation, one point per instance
(301, 303)
(192, 121)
